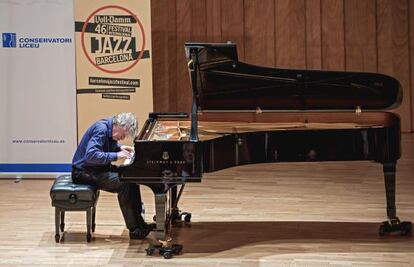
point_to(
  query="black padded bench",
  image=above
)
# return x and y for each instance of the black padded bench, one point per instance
(68, 196)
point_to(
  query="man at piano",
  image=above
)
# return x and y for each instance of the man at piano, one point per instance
(91, 164)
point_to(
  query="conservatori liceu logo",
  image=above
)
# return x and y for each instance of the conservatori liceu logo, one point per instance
(113, 39)
(11, 40)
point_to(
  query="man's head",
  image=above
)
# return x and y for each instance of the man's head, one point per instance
(188, 152)
(124, 124)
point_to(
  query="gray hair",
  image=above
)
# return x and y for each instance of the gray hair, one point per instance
(126, 121)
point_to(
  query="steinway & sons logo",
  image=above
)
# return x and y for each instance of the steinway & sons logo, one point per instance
(165, 160)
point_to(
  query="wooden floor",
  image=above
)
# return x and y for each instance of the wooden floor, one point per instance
(305, 214)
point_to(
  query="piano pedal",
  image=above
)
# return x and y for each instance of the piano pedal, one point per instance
(183, 218)
(178, 216)
(394, 225)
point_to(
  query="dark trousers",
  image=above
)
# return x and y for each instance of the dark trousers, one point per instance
(129, 196)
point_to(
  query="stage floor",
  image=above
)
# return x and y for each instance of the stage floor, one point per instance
(301, 214)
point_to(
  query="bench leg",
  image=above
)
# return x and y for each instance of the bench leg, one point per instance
(93, 219)
(88, 224)
(62, 220)
(57, 223)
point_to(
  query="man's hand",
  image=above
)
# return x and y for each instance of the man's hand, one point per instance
(128, 149)
(123, 154)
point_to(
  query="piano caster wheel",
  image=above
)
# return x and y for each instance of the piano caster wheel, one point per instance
(57, 238)
(406, 228)
(167, 255)
(88, 238)
(187, 218)
(62, 227)
(394, 225)
(382, 230)
(149, 251)
(154, 218)
(177, 248)
(167, 252)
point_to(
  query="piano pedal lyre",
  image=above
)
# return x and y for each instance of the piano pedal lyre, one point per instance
(394, 225)
(178, 216)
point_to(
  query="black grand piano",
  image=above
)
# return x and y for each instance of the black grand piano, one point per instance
(246, 114)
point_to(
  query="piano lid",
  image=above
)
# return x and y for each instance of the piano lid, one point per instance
(222, 83)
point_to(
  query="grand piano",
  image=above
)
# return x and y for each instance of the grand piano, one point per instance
(247, 114)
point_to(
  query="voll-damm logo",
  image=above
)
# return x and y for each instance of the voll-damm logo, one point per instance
(113, 39)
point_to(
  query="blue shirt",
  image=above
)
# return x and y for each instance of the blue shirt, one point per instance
(97, 148)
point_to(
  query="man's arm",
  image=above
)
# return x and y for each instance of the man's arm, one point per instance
(94, 151)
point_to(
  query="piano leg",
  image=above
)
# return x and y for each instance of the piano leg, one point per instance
(161, 216)
(163, 222)
(393, 224)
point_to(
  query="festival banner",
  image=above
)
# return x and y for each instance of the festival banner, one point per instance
(113, 60)
(37, 81)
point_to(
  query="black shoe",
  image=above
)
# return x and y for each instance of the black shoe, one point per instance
(142, 232)
(139, 233)
(151, 226)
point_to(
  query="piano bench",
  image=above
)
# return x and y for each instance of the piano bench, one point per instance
(68, 196)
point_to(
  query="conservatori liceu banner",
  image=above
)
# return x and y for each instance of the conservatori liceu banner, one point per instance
(113, 59)
(37, 81)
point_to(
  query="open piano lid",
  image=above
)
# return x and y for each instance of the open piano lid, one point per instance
(222, 83)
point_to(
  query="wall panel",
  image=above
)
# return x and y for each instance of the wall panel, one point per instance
(313, 34)
(159, 54)
(290, 34)
(360, 32)
(259, 39)
(184, 34)
(171, 59)
(333, 39)
(411, 37)
(393, 54)
(352, 35)
(232, 24)
(213, 20)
